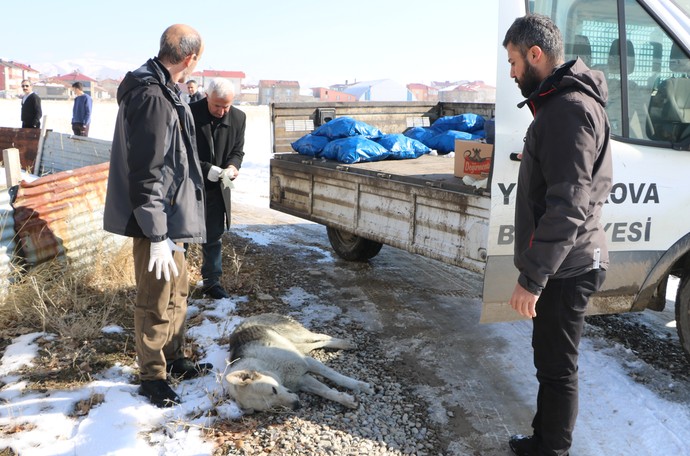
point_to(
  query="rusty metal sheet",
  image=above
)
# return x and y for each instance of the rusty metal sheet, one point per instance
(61, 215)
(24, 139)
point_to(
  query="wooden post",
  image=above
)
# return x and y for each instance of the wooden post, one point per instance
(39, 152)
(13, 168)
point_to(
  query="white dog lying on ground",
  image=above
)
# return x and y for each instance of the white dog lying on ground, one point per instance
(268, 365)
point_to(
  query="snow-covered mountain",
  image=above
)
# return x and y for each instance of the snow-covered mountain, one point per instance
(98, 69)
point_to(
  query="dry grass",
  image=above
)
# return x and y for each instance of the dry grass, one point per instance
(72, 301)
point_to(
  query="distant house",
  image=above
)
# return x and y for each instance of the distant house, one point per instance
(236, 77)
(271, 91)
(380, 90)
(110, 86)
(250, 94)
(423, 92)
(11, 76)
(51, 90)
(468, 91)
(76, 76)
(326, 94)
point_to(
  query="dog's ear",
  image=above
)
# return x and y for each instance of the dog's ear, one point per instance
(242, 377)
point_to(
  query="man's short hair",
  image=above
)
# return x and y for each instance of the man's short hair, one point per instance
(78, 85)
(191, 81)
(536, 30)
(220, 87)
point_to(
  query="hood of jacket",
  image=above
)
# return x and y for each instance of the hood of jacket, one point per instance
(572, 75)
(152, 72)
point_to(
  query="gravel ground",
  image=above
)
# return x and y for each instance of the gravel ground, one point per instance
(393, 421)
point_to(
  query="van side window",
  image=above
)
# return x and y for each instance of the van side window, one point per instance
(648, 74)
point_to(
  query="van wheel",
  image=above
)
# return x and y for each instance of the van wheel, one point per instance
(683, 314)
(351, 247)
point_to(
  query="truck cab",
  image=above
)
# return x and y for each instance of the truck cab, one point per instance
(642, 47)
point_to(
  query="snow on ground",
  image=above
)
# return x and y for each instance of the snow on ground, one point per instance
(618, 415)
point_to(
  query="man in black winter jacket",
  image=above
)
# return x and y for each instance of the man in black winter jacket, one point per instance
(560, 244)
(155, 196)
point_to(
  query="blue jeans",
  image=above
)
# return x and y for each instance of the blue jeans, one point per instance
(556, 334)
(212, 264)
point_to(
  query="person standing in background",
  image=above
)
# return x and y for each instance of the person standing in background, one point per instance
(560, 245)
(31, 107)
(194, 93)
(155, 195)
(81, 111)
(220, 142)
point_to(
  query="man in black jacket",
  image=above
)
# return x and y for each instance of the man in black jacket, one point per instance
(560, 244)
(31, 107)
(155, 196)
(220, 142)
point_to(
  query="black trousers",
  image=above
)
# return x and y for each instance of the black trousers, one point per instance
(80, 129)
(555, 339)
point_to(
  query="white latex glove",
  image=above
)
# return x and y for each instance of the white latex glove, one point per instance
(161, 256)
(214, 173)
(230, 172)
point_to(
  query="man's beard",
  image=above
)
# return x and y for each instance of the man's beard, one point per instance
(530, 80)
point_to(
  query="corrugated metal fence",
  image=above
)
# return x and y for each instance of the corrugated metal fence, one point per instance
(62, 152)
(59, 215)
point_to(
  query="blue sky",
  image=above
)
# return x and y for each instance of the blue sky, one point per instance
(314, 42)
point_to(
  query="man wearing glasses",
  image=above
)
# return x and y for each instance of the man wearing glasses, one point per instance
(31, 107)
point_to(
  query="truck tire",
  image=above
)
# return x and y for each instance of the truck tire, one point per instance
(351, 247)
(683, 314)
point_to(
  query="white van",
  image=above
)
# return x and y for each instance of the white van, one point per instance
(642, 48)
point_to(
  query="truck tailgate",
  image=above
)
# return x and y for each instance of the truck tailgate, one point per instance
(416, 205)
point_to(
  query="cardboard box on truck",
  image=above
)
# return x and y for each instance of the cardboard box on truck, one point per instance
(472, 158)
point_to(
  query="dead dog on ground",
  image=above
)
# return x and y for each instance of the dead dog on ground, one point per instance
(269, 365)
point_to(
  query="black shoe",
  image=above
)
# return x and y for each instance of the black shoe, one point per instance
(523, 445)
(215, 291)
(159, 393)
(186, 368)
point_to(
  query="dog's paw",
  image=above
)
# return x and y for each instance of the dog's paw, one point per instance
(365, 388)
(348, 401)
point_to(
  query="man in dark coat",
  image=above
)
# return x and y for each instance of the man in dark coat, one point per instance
(220, 142)
(560, 245)
(31, 107)
(155, 196)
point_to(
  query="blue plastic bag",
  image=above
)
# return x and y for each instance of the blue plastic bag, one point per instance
(464, 122)
(402, 147)
(344, 127)
(354, 149)
(445, 142)
(422, 134)
(310, 145)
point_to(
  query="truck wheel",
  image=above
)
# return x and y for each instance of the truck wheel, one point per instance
(683, 314)
(351, 247)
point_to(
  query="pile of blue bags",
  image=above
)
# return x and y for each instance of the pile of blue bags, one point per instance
(347, 140)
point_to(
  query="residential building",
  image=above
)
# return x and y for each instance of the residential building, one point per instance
(466, 91)
(327, 94)
(423, 92)
(236, 77)
(75, 76)
(271, 91)
(11, 76)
